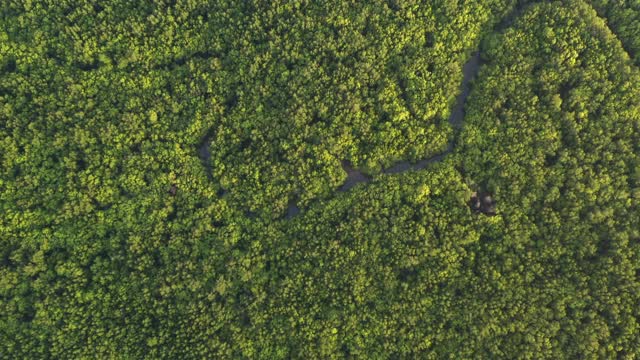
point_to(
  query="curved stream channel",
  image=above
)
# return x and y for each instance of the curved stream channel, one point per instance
(355, 176)
(469, 71)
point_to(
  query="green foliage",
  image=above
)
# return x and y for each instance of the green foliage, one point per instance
(353, 277)
(624, 19)
(121, 238)
(557, 142)
(321, 82)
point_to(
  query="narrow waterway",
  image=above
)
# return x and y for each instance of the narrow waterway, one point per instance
(469, 71)
(355, 176)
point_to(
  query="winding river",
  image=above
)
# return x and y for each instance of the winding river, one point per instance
(469, 71)
(355, 176)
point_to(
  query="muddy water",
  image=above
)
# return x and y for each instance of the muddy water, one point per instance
(353, 176)
(292, 210)
(205, 155)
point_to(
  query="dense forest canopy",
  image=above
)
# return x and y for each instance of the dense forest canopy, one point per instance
(624, 19)
(149, 152)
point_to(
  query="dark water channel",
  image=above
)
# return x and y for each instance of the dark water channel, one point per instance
(469, 71)
(354, 176)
